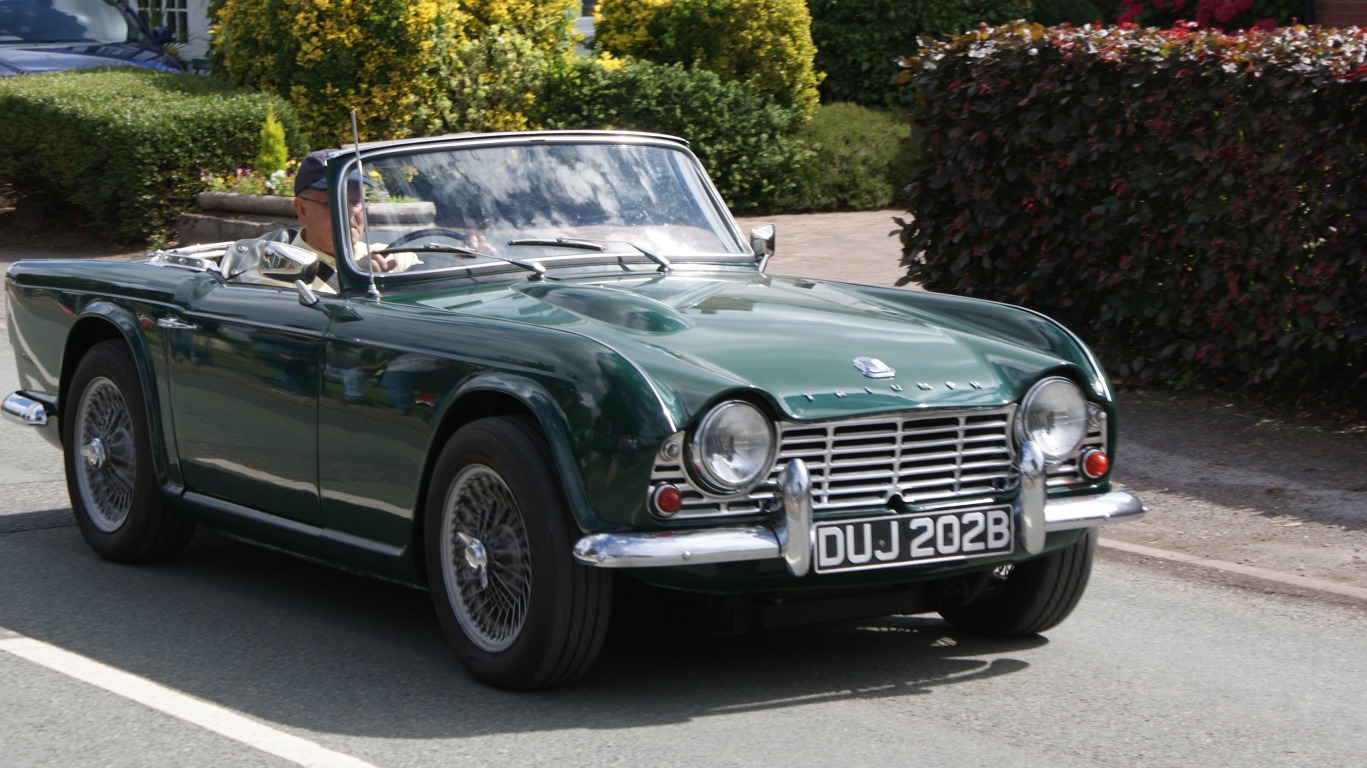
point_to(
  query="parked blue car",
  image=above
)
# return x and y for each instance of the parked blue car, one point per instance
(51, 35)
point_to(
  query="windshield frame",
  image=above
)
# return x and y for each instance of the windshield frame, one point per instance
(617, 256)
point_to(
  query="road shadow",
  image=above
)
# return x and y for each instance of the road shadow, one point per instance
(301, 644)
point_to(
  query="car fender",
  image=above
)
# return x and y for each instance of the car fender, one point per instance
(603, 458)
(101, 320)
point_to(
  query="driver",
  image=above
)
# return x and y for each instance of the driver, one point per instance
(311, 206)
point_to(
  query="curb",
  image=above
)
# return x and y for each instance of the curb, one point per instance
(1287, 579)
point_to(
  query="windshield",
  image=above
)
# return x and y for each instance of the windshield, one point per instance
(67, 21)
(541, 205)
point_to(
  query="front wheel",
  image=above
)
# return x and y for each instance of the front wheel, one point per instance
(107, 450)
(520, 612)
(1029, 597)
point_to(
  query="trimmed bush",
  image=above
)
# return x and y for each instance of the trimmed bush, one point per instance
(743, 141)
(1191, 202)
(765, 44)
(860, 159)
(125, 148)
(858, 43)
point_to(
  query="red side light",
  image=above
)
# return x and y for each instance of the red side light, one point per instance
(666, 499)
(1095, 464)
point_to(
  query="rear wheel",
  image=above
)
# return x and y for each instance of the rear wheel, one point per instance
(520, 612)
(1029, 597)
(107, 451)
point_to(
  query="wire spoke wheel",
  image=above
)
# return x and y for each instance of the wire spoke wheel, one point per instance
(108, 461)
(487, 557)
(110, 472)
(518, 610)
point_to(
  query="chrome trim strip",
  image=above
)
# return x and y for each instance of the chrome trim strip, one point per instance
(22, 409)
(758, 542)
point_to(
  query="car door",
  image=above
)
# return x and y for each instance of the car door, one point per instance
(244, 375)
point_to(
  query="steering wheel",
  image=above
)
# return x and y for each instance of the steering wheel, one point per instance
(449, 234)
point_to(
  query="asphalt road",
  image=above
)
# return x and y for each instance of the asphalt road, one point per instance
(1151, 670)
(238, 656)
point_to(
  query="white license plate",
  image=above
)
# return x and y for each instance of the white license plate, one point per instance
(889, 542)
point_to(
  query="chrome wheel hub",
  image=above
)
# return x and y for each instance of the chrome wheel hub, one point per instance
(93, 453)
(476, 558)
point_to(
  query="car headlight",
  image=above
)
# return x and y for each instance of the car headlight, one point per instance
(732, 450)
(1053, 416)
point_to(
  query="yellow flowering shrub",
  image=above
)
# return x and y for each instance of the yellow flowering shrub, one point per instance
(765, 44)
(621, 26)
(407, 66)
(383, 57)
(548, 24)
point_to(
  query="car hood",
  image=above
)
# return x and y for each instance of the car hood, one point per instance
(801, 342)
(30, 58)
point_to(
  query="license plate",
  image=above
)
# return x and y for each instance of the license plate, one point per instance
(889, 542)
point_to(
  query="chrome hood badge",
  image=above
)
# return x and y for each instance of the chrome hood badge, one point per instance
(874, 368)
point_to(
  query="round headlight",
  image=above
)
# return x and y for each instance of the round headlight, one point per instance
(1054, 417)
(732, 450)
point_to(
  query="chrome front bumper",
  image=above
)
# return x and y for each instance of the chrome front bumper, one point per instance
(23, 408)
(792, 538)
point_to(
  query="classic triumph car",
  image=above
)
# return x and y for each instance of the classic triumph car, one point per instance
(583, 376)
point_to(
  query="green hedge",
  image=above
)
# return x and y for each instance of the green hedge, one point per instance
(745, 142)
(125, 148)
(1192, 203)
(858, 43)
(858, 159)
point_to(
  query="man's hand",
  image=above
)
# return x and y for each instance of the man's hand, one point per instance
(382, 263)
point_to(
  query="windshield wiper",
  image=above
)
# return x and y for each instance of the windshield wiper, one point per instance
(592, 245)
(531, 266)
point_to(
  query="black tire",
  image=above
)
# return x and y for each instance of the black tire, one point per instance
(1032, 596)
(107, 450)
(520, 612)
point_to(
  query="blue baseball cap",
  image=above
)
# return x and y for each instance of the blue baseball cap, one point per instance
(313, 172)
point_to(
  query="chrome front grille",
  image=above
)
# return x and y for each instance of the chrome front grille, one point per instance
(925, 457)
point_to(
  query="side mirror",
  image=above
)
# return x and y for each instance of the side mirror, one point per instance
(762, 241)
(287, 263)
(163, 35)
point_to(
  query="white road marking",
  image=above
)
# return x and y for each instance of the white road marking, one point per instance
(178, 705)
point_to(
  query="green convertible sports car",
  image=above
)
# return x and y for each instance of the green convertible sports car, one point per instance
(540, 361)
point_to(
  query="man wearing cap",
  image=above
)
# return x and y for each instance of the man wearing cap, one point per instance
(315, 234)
(315, 214)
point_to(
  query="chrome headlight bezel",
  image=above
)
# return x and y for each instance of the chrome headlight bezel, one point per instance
(1054, 415)
(713, 448)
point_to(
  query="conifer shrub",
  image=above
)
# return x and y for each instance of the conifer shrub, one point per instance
(272, 155)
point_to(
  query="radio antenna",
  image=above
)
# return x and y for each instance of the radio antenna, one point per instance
(373, 291)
